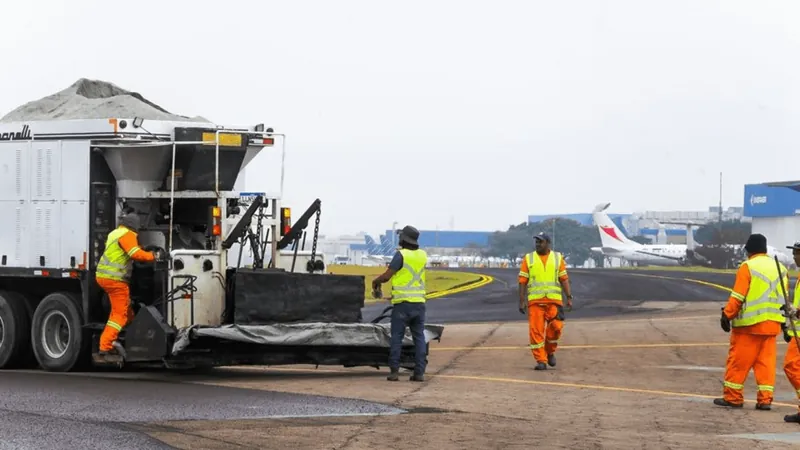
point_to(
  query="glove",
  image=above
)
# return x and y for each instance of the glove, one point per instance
(785, 330)
(724, 322)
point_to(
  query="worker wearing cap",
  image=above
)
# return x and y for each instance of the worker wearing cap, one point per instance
(754, 314)
(407, 274)
(542, 277)
(791, 362)
(113, 275)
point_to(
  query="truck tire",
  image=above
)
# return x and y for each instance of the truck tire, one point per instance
(59, 342)
(15, 335)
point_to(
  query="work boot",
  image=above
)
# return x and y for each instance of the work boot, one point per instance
(394, 375)
(540, 366)
(551, 360)
(792, 418)
(120, 349)
(417, 377)
(763, 406)
(723, 402)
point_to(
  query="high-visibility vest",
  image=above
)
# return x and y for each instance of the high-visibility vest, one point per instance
(763, 300)
(543, 279)
(408, 283)
(116, 264)
(795, 303)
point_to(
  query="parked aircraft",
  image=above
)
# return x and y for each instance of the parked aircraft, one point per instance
(617, 245)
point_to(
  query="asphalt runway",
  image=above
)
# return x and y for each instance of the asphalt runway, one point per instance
(596, 292)
(44, 410)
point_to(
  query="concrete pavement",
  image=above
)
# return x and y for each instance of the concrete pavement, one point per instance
(640, 361)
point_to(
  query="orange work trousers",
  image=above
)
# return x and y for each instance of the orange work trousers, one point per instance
(121, 312)
(791, 366)
(750, 351)
(544, 328)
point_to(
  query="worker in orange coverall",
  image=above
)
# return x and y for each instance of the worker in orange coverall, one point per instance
(542, 277)
(791, 362)
(754, 311)
(113, 275)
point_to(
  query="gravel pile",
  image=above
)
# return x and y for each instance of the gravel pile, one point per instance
(93, 99)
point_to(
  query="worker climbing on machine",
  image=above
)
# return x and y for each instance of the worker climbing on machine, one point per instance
(407, 273)
(113, 276)
(753, 316)
(542, 277)
(791, 362)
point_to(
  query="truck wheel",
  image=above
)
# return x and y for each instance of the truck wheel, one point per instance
(15, 338)
(57, 333)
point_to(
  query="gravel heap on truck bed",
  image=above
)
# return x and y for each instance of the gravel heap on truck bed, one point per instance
(93, 99)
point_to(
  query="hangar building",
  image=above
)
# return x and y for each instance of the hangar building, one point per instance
(775, 211)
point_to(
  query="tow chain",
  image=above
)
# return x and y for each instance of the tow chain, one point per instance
(312, 265)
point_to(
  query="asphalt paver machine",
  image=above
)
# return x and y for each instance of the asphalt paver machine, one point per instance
(65, 184)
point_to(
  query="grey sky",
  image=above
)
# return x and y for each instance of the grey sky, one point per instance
(504, 108)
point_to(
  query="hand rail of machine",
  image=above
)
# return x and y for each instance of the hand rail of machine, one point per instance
(263, 134)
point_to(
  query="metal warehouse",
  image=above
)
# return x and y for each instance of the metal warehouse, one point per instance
(775, 210)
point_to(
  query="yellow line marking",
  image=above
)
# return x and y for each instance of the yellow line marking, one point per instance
(579, 321)
(706, 283)
(550, 383)
(593, 346)
(591, 386)
(598, 346)
(480, 282)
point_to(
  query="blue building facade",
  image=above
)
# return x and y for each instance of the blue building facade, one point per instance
(762, 200)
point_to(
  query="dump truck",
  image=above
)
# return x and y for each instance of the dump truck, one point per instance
(64, 184)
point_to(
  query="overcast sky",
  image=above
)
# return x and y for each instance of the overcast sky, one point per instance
(503, 108)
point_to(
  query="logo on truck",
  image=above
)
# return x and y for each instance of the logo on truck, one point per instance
(17, 136)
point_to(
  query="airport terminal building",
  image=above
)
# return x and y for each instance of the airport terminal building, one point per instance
(775, 211)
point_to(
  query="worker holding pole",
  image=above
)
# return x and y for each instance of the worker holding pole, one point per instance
(753, 316)
(542, 277)
(113, 275)
(791, 362)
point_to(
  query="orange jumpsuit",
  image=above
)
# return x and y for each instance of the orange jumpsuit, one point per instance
(542, 323)
(752, 347)
(791, 362)
(119, 293)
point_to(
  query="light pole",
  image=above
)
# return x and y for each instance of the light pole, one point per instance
(395, 237)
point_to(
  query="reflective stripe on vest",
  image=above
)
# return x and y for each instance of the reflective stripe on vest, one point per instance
(543, 279)
(795, 303)
(115, 264)
(408, 283)
(763, 299)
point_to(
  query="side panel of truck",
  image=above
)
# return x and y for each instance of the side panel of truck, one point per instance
(44, 197)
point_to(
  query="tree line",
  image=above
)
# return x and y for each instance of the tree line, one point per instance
(574, 240)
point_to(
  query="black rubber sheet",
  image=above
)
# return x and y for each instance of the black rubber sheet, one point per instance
(264, 297)
(304, 334)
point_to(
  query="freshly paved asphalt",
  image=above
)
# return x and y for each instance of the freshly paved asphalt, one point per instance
(42, 410)
(592, 289)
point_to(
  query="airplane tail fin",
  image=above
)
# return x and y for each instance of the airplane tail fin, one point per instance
(610, 234)
(372, 247)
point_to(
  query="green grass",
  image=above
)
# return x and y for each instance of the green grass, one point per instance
(436, 280)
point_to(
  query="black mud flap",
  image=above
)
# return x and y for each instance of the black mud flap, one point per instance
(148, 338)
(274, 296)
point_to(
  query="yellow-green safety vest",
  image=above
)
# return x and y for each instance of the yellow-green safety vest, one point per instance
(543, 279)
(763, 300)
(116, 264)
(408, 283)
(795, 304)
